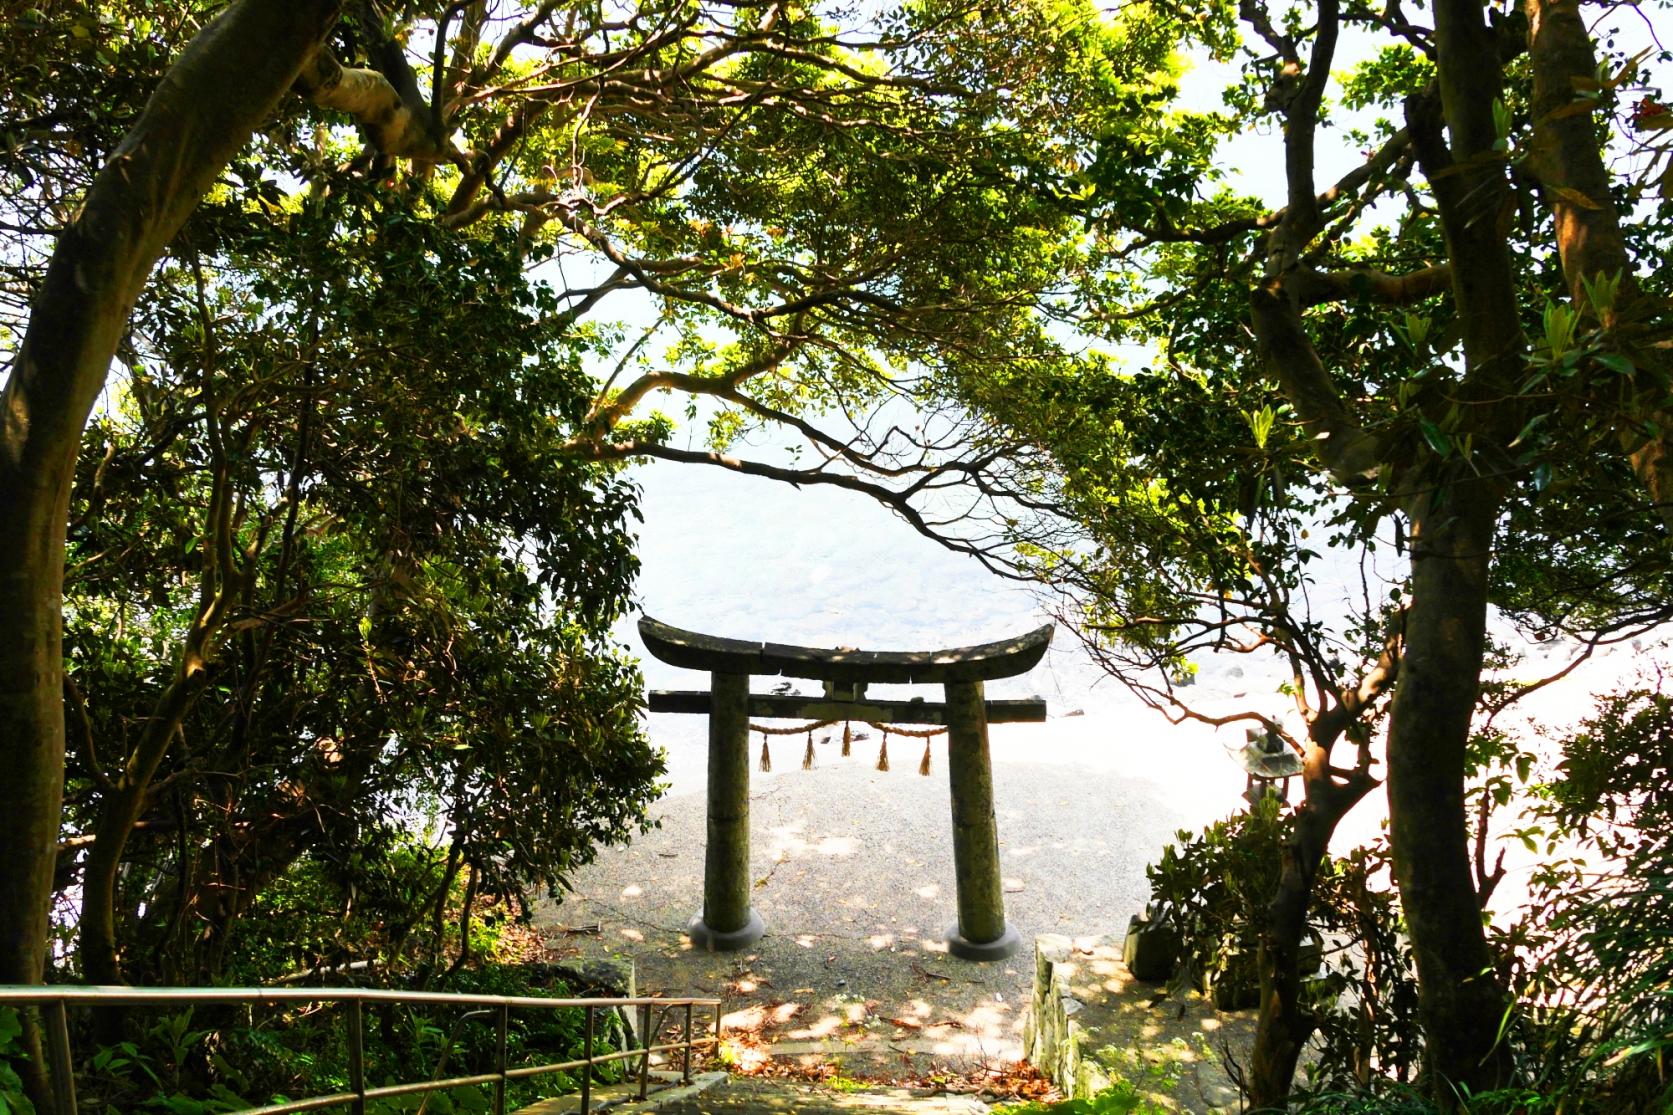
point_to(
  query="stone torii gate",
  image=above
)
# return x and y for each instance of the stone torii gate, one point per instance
(728, 921)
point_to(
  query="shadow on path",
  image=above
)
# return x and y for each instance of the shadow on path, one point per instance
(853, 873)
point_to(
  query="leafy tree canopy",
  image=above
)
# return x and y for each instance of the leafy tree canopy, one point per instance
(346, 532)
(1433, 363)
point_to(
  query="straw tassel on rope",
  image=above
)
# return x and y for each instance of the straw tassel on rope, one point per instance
(802, 729)
(847, 737)
(883, 752)
(923, 767)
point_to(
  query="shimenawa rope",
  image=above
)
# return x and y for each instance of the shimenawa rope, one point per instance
(926, 734)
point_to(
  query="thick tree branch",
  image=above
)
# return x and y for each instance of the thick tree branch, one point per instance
(395, 127)
(1301, 118)
(1350, 453)
(1574, 185)
(1353, 703)
(604, 416)
(1164, 231)
(222, 87)
(1314, 288)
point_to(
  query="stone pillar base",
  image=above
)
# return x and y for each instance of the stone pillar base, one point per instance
(714, 940)
(1006, 944)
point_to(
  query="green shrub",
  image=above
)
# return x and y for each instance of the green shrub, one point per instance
(12, 1099)
(1365, 994)
(1396, 1099)
(1118, 1099)
(239, 1056)
(1594, 955)
(323, 912)
(1213, 887)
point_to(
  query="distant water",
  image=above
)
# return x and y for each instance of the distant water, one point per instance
(757, 559)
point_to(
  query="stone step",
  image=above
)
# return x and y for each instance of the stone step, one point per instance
(744, 1096)
(717, 1093)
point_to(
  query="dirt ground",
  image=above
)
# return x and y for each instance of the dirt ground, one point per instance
(853, 876)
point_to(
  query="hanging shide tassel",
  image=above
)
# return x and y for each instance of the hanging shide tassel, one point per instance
(883, 752)
(847, 738)
(807, 756)
(766, 755)
(923, 767)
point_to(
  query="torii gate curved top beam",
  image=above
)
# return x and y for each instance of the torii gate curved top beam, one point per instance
(728, 921)
(694, 650)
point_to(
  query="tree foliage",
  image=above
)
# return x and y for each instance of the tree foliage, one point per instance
(344, 535)
(1593, 953)
(1430, 360)
(349, 482)
(362, 456)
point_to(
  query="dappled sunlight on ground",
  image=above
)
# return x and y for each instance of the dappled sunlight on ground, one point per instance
(851, 869)
(1170, 1048)
(787, 842)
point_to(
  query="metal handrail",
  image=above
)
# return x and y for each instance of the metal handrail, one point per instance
(55, 1000)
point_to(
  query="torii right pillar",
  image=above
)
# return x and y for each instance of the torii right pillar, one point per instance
(981, 932)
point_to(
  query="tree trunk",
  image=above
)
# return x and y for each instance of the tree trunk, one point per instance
(1459, 998)
(120, 809)
(1284, 1026)
(1453, 512)
(1568, 161)
(225, 83)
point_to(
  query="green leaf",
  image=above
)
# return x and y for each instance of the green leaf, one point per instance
(1532, 424)
(1616, 363)
(1436, 437)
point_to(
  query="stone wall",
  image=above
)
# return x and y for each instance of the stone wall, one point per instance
(1091, 1026)
(1054, 1041)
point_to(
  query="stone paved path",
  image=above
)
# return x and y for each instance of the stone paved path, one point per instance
(853, 873)
(718, 1094)
(763, 1097)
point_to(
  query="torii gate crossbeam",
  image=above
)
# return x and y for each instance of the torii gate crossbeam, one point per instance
(728, 921)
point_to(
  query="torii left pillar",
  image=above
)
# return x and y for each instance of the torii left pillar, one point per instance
(728, 922)
(981, 932)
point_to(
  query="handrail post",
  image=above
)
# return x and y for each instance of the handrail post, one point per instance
(587, 1069)
(503, 1029)
(63, 1066)
(357, 1057)
(686, 1075)
(646, 1042)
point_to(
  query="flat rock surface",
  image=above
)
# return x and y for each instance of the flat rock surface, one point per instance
(719, 1094)
(853, 873)
(760, 1096)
